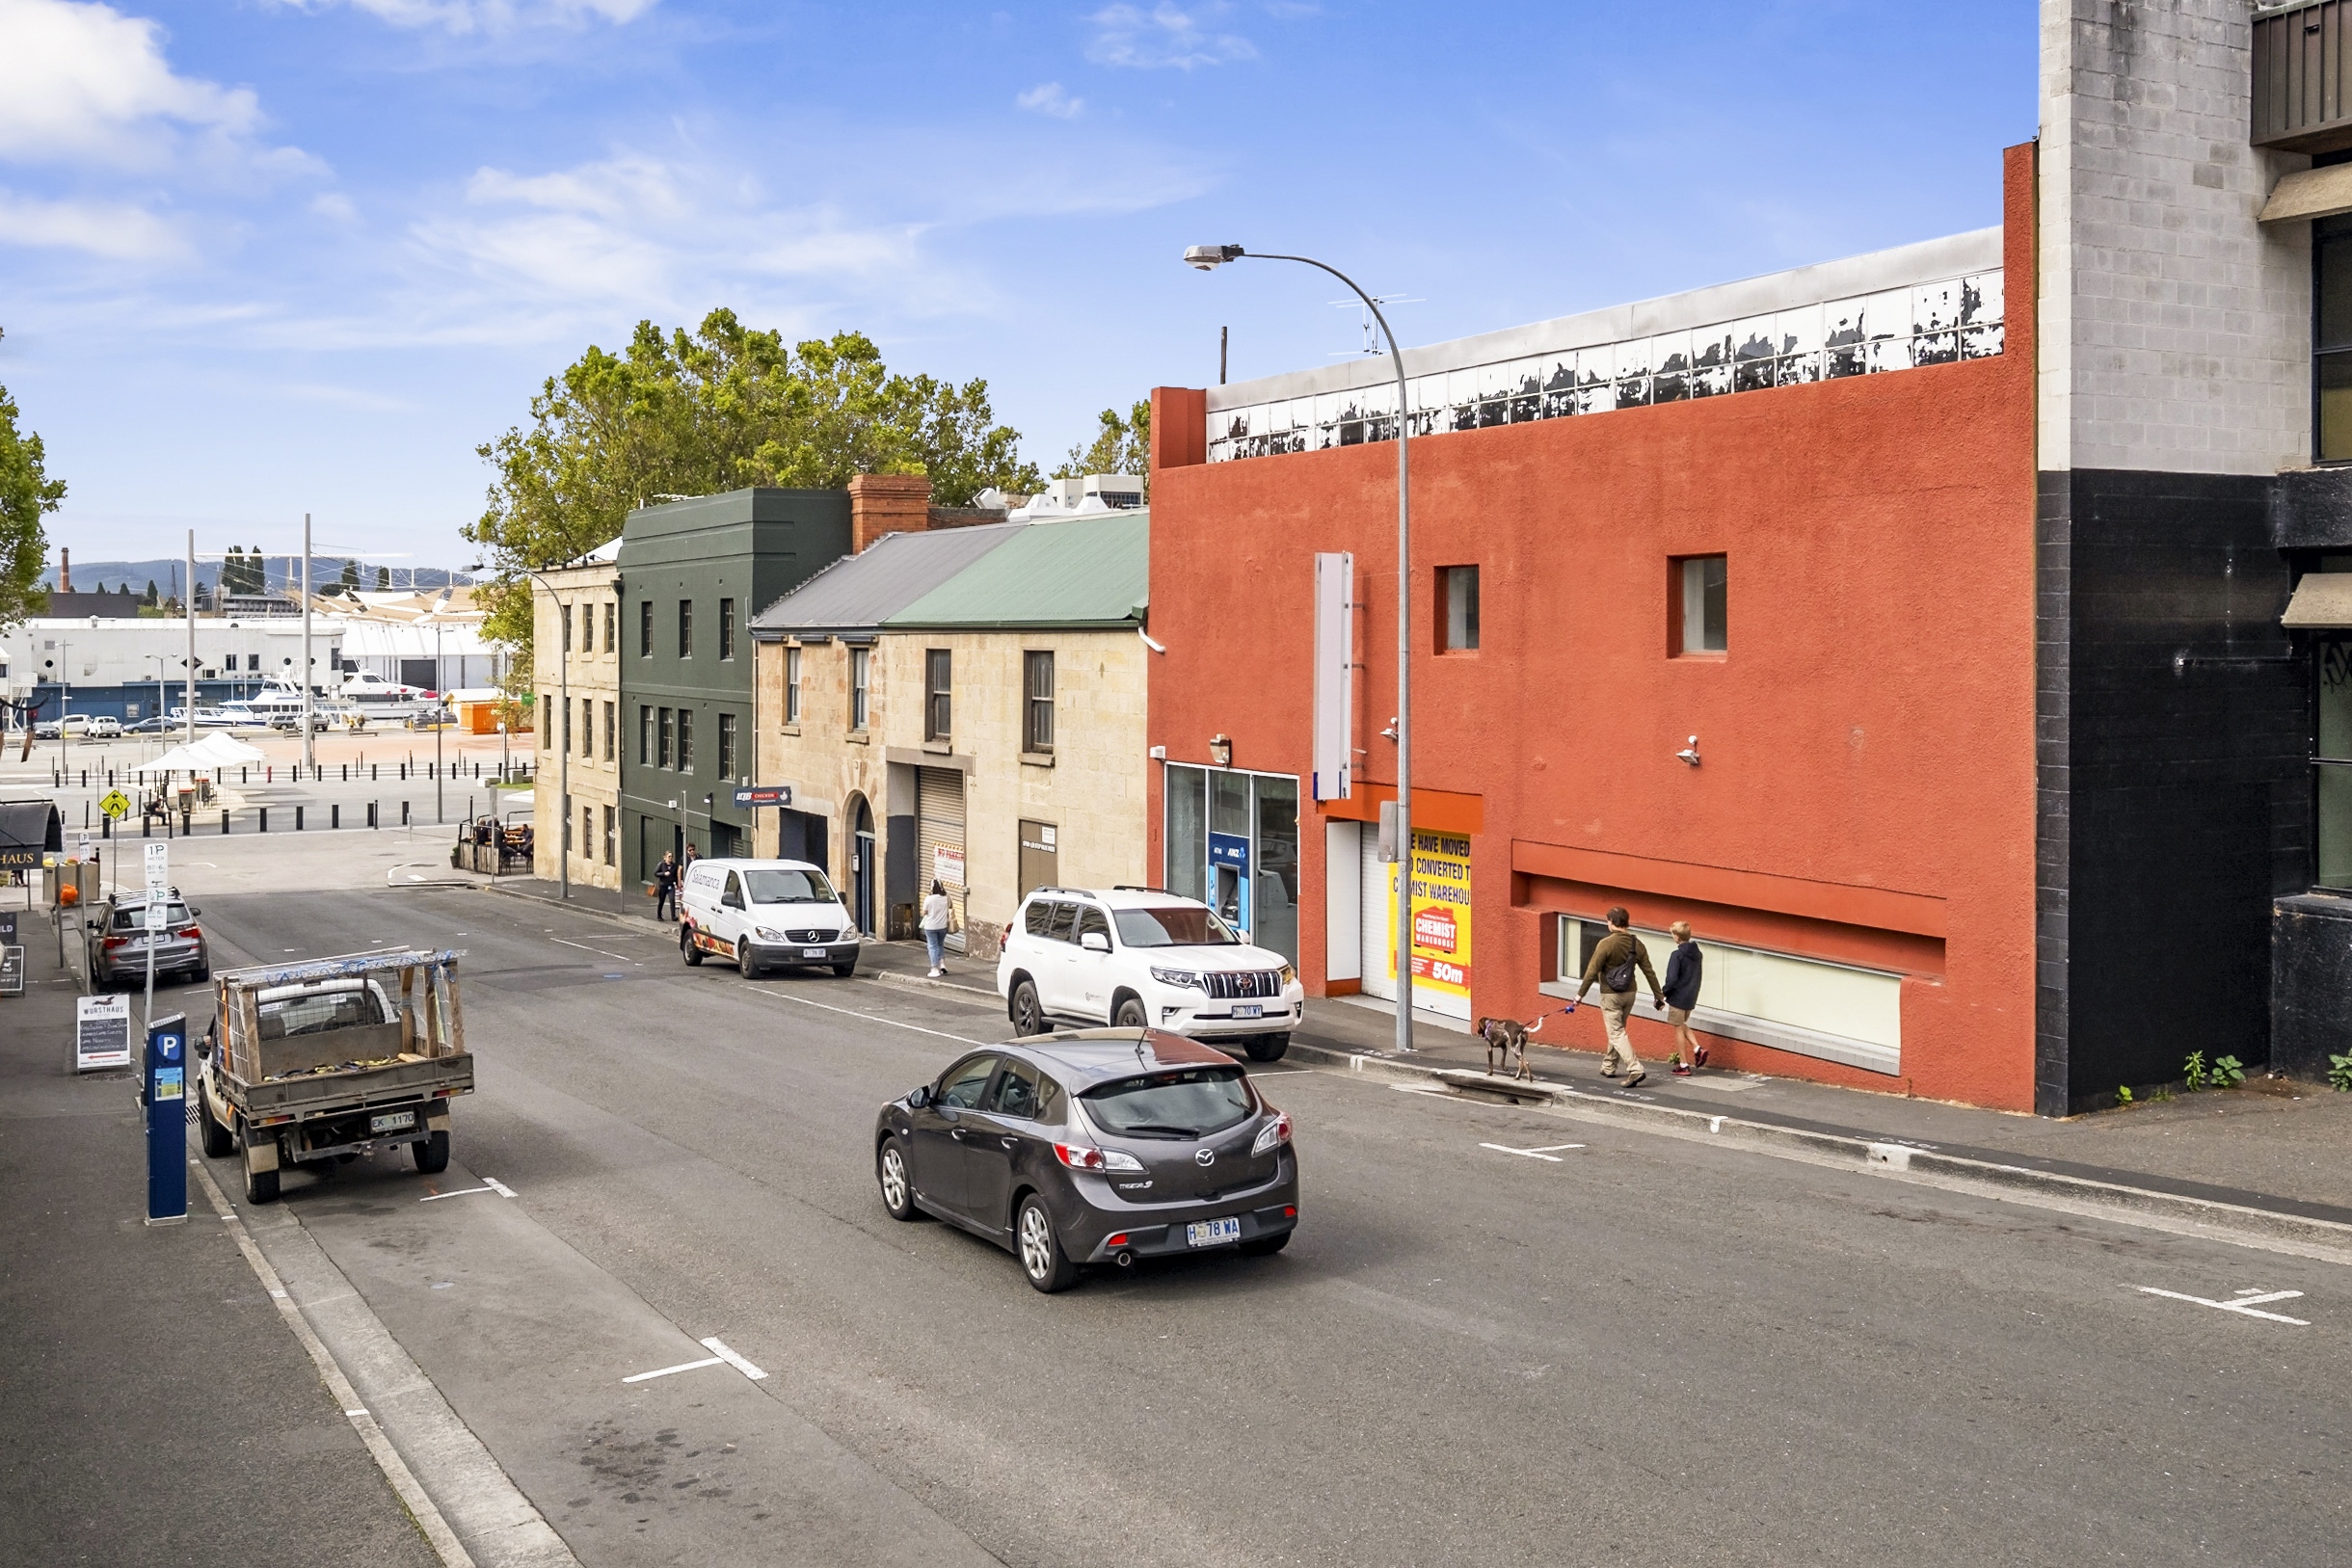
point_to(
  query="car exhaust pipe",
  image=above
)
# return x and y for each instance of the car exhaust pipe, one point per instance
(1123, 1257)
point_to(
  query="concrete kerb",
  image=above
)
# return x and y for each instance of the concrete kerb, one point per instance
(2321, 1239)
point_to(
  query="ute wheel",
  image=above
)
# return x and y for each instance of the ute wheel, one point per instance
(845, 971)
(1266, 1048)
(432, 1153)
(1043, 1263)
(743, 960)
(1027, 1013)
(686, 945)
(260, 1187)
(1132, 1014)
(217, 1142)
(1266, 1246)
(898, 1187)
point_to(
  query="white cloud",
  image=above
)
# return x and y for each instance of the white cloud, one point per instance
(1048, 98)
(335, 205)
(117, 231)
(1128, 35)
(489, 16)
(84, 84)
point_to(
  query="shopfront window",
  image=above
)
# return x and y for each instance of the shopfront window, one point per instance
(2331, 762)
(1233, 843)
(2331, 339)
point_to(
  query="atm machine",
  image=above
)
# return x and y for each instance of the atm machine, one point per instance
(1229, 884)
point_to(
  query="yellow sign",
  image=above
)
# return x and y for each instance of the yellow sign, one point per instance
(1441, 911)
(115, 803)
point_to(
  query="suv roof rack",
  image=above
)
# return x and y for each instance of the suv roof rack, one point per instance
(1130, 886)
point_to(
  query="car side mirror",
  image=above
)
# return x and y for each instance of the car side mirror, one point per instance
(920, 1097)
(194, 912)
(1094, 941)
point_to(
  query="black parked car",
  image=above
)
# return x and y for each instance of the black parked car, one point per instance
(1093, 1146)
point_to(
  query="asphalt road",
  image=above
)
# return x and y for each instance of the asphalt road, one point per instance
(1637, 1350)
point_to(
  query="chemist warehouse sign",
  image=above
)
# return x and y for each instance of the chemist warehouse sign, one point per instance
(1441, 912)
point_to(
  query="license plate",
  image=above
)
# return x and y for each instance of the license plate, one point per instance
(392, 1122)
(1211, 1232)
(1250, 1009)
(812, 952)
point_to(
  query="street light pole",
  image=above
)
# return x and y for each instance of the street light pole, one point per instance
(189, 727)
(310, 759)
(1206, 257)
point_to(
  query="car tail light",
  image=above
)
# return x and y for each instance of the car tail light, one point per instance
(1275, 1131)
(110, 944)
(189, 935)
(1118, 1241)
(1080, 1158)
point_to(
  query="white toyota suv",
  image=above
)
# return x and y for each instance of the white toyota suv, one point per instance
(1144, 957)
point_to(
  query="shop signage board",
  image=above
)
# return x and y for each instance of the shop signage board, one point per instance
(102, 1033)
(948, 865)
(1441, 912)
(759, 795)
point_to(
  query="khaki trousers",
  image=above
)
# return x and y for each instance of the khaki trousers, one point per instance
(1616, 1006)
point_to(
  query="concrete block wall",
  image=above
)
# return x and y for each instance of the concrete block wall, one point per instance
(2176, 332)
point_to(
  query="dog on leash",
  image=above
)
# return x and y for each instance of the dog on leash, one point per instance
(1504, 1036)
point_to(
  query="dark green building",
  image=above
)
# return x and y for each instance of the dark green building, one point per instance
(693, 574)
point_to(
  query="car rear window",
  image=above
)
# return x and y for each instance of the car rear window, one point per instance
(133, 916)
(1174, 925)
(1189, 1103)
(318, 1012)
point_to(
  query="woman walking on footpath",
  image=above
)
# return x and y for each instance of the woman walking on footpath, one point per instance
(1683, 970)
(665, 887)
(937, 914)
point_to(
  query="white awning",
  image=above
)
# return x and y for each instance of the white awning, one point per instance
(2309, 193)
(2323, 600)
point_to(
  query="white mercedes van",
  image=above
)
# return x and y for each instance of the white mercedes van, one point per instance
(764, 914)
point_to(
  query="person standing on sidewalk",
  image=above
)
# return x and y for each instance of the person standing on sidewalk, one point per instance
(1613, 965)
(937, 914)
(665, 887)
(1682, 969)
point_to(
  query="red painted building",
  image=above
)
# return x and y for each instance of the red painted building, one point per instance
(1793, 518)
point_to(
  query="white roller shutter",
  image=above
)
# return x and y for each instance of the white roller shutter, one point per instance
(1378, 899)
(939, 835)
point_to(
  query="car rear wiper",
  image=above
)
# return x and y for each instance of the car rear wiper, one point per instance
(1156, 1126)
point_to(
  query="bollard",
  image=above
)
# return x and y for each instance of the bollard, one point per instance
(334, 817)
(347, 773)
(371, 778)
(106, 827)
(266, 819)
(298, 820)
(224, 822)
(269, 775)
(371, 814)
(404, 813)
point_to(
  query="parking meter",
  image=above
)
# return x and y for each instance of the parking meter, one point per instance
(164, 1092)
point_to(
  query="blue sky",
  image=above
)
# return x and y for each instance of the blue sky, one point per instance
(273, 256)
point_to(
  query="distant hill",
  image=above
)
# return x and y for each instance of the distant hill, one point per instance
(283, 572)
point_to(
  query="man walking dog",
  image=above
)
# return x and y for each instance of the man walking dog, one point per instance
(1614, 962)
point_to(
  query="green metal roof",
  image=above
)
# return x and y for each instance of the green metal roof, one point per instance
(1082, 571)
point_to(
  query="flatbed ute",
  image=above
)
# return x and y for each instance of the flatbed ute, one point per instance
(327, 1058)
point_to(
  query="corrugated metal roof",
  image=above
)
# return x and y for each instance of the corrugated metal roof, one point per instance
(894, 571)
(1088, 571)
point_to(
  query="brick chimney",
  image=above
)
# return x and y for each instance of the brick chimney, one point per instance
(65, 571)
(887, 504)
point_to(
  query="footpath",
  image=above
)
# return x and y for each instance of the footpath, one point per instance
(158, 1410)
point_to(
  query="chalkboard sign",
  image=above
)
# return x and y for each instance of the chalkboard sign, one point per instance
(8, 928)
(12, 971)
(102, 1033)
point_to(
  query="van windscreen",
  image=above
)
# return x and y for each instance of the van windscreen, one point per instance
(785, 886)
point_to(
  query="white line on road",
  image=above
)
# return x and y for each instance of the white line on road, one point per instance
(681, 1366)
(735, 1361)
(490, 1184)
(585, 948)
(872, 1018)
(2244, 1306)
(1544, 1153)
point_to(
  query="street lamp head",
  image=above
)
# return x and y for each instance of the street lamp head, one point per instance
(1210, 256)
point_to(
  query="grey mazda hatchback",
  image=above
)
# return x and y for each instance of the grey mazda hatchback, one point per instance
(1093, 1146)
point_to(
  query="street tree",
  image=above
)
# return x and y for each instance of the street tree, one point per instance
(719, 407)
(1121, 445)
(351, 575)
(383, 579)
(27, 494)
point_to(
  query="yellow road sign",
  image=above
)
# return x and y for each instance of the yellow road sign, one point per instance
(115, 803)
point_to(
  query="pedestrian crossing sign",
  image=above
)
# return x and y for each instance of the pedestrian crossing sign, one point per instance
(115, 803)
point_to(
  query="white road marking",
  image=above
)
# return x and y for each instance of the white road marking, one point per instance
(732, 1360)
(1544, 1153)
(355, 1412)
(490, 1184)
(872, 1018)
(681, 1366)
(585, 948)
(2244, 1306)
(497, 1187)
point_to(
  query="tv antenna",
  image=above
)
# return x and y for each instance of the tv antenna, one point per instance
(1371, 335)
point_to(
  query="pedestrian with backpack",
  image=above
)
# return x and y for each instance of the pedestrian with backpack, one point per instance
(1614, 962)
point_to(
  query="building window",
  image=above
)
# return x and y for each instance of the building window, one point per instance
(661, 752)
(1037, 714)
(861, 672)
(547, 711)
(791, 685)
(686, 628)
(1698, 604)
(1459, 585)
(613, 616)
(938, 685)
(725, 629)
(2332, 339)
(588, 726)
(686, 740)
(612, 833)
(567, 628)
(645, 736)
(611, 724)
(588, 832)
(645, 629)
(2331, 762)
(727, 746)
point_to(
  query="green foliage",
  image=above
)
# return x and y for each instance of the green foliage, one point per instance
(27, 494)
(2196, 1073)
(2228, 1072)
(2123, 1095)
(2340, 1073)
(243, 573)
(383, 579)
(1120, 446)
(150, 596)
(724, 406)
(351, 575)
